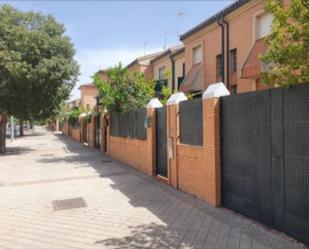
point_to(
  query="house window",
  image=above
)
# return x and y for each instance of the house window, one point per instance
(197, 55)
(233, 56)
(219, 66)
(263, 25)
(161, 73)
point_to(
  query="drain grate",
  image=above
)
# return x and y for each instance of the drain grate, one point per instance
(69, 204)
(106, 161)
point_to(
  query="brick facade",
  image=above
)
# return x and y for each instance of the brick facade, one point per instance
(76, 134)
(242, 37)
(196, 169)
(135, 152)
(88, 92)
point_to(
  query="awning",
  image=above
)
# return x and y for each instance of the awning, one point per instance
(193, 81)
(253, 66)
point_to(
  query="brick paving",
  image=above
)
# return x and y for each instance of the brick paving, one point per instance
(125, 209)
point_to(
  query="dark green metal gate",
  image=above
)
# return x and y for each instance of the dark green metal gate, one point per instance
(161, 141)
(265, 157)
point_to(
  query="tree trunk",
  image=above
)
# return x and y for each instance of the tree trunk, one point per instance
(3, 121)
(21, 128)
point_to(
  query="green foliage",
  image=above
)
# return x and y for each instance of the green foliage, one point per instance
(74, 117)
(288, 52)
(166, 93)
(37, 68)
(62, 113)
(124, 90)
(168, 74)
(87, 117)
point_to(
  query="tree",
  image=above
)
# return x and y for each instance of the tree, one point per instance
(124, 90)
(37, 69)
(288, 45)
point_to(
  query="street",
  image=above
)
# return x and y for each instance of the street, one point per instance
(56, 193)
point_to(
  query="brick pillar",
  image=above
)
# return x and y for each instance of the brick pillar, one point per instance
(196, 169)
(211, 139)
(172, 140)
(93, 126)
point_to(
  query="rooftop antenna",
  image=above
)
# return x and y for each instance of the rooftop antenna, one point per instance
(145, 43)
(179, 14)
(166, 33)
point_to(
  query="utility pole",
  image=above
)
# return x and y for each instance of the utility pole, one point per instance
(165, 36)
(179, 14)
(12, 128)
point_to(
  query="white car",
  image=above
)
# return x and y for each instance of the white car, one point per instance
(8, 130)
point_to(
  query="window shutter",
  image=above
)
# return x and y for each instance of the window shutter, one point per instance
(263, 25)
(197, 55)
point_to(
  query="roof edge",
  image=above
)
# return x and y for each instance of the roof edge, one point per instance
(227, 10)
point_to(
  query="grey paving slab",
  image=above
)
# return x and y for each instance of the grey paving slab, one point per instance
(125, 208)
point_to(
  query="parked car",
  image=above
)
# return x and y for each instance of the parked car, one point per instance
(8, 130)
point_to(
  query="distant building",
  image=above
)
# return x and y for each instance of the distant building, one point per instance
(73, 104)
(88, 94)
(169, 68)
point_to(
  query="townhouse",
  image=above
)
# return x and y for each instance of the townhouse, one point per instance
(143, 65)
(226, 47)
(169, 68)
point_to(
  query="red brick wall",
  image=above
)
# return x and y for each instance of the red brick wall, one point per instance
(134, 152)
(75, 134)
(196, 169)
(65, 128)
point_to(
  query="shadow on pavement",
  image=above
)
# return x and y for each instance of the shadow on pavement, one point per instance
(186, 218)
(143, 236)
(17, 150)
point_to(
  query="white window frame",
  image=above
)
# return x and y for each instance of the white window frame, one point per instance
(160, 75)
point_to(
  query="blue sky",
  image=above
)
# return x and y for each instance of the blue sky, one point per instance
(106, 32)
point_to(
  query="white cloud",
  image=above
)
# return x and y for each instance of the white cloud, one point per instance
(91, 61)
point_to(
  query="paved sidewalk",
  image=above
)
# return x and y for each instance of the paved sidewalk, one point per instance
(125, 209)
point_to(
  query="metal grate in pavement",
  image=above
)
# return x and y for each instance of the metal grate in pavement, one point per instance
(106, 161)
(69, 204)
